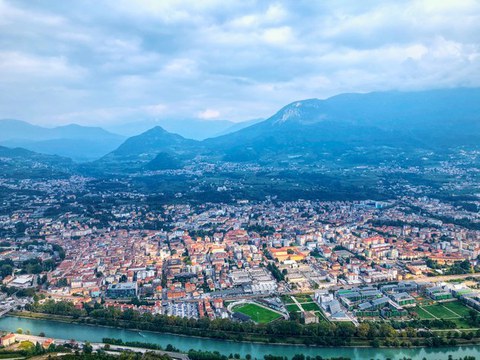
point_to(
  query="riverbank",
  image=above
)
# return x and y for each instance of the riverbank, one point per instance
(71, 320)
(101, 345)
(241, 337)
(84, 332)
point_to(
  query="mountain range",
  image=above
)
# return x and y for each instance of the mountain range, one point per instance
(354, 128)
(80, 143)
(350, 128)
(429, 120)
(196, 129)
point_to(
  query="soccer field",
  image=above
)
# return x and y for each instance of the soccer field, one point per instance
(448, 311)
(257, 313)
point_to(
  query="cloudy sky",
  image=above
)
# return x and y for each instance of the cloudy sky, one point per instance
(101, 62)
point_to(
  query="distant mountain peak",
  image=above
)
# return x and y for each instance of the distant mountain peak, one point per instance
(301, 112)
(78, 142)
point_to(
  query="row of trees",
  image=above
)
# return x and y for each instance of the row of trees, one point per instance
(323, 333)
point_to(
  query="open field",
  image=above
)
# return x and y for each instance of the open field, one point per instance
(311, 306)
(321, 316)
(287, 299)
(441, 312)
(454, 311)
(301, 298)
(458, 308)
(292, 307)
(423, 314)
(257, 313)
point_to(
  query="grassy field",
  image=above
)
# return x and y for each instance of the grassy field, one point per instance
(423, 314)
(454, 311)
(440, 312)
(257, 313)
(287, 299)
(292, 308)
(310, 306)
(321, 316)
(458, 308)
(301, 298)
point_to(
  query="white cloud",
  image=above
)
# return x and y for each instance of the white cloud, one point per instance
(81, 61)
(209, 114)
(279, 36)
(157, 109)
(21, 66)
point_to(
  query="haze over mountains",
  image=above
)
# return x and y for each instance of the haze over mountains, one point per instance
(354, 128)
(81, 143)
(429, 120)
(196, 129)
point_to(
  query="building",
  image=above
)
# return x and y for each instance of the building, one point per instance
(22, 281)
(438, 293)
(122, 290)
(310, 317)
(403, 299)
(47, 343)
(7, 340)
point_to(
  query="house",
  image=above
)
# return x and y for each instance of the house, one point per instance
(310, 317)
(46, 344)
(7, 340)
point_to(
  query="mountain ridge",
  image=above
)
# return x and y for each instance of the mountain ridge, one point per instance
(81, 143)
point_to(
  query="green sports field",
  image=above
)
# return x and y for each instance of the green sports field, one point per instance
(257, 313)
(453, 310)
(311, 306)
(292, 308)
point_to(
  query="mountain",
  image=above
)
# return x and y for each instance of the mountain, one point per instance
(353, 123)
(80, 143)
(348, 129)
(137, 151)
(21, 163)
(195, 129)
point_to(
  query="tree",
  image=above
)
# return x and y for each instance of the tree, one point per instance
(87, 348)
(39, 349)
(20, 228)
(6, 270)
(363, 330)
(473, 314)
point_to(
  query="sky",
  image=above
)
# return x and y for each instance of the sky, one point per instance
(113, 61)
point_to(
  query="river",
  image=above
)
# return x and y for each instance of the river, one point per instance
(81, 332)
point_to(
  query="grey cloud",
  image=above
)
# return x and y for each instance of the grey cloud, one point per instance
(101, 62)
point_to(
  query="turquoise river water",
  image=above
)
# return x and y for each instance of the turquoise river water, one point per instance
(82, 332)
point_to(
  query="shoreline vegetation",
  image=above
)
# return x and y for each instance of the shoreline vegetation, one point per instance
(384, 336)
(112, 349)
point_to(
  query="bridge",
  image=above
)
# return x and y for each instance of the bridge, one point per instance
(5, 311)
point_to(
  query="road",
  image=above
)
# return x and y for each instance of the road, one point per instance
(4, 311)
(98, 346)
(445, 278)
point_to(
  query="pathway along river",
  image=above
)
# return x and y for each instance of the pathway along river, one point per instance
(81, 332)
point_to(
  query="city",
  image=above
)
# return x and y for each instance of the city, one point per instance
(240, 180)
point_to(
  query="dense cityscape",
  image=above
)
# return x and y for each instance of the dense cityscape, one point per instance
(70, 250)
(240, 180)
